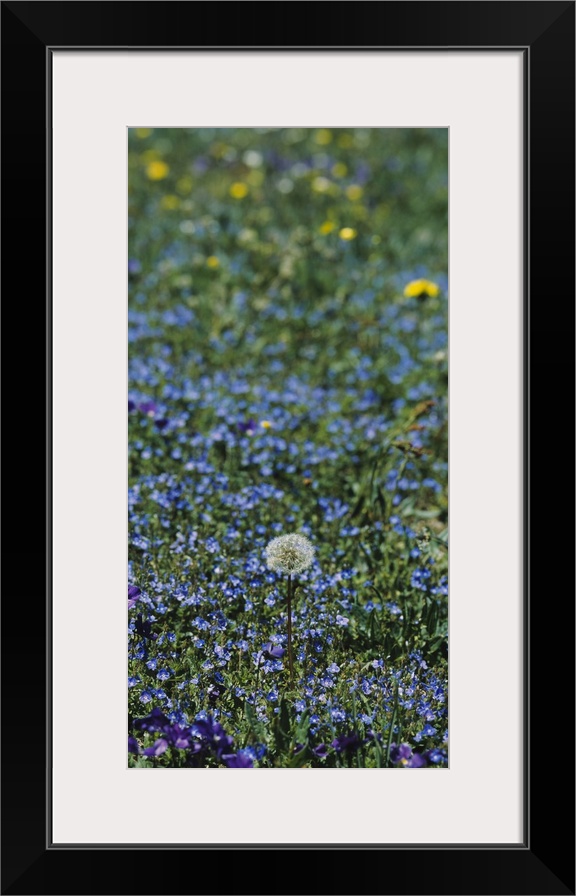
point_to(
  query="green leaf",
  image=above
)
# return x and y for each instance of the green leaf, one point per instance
(427, 514)
(257, 727)
(436, 644)
(391, 731)
(381, 500)
(298, 760)
(140, 762)
(302, 728)
(282, 727)
(378, 753)
(358, 506)
(432, 618)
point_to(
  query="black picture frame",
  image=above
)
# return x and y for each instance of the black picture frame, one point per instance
(544, 862)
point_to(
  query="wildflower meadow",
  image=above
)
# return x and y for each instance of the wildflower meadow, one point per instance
(288, 448)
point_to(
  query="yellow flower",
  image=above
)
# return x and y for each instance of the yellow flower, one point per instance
(170, 202)
(418, 288)
(238, 190)
(339, 169)
(212, 261)
(265, 424)
(142, 133)
(157, 170)
(323, 137)
(347, 233)
(327, 227)
(354, 192)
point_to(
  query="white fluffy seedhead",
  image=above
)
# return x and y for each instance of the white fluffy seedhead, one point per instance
(289, 554)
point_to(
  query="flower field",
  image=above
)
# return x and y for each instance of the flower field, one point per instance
(288, 376)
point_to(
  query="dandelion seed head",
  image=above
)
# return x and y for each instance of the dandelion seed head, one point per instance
(289, 553)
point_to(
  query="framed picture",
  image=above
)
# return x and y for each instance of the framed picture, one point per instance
(96, 98)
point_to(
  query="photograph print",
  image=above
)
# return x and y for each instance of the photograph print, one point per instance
(287, 448)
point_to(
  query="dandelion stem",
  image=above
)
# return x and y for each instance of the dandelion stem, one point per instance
(290, 659)
(260, 656)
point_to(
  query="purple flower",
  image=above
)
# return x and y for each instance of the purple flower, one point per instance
(249, 427)
(273, 651)
(158, 748)
(215, 736)
(403, 756)
(400, 752)
(372, 735)
(344, 742)
(211, 734)
(155, 721)
(133, 595)
(179, 737)
(417, 760)
(133, 745)
(131, 405)
(161, 423)
(241, 759)
(174, 735)
(147, 407)
(320, 750)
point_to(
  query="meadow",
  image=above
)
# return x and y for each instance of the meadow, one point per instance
(288, 373)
